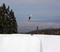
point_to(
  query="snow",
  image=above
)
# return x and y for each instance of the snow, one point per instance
(13, 43)
(29, 43)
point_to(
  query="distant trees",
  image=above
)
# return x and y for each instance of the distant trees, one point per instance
(8, 24)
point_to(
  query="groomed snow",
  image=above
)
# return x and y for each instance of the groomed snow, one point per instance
(29, 43)
(18, 43)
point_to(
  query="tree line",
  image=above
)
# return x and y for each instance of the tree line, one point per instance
(8, 23)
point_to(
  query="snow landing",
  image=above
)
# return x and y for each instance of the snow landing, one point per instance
(18, 43)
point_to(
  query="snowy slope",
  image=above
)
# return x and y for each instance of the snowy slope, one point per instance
(28, 43)
(13, 43)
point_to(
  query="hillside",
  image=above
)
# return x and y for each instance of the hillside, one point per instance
(46, 31)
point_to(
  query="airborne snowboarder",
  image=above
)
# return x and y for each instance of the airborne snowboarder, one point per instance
(29, 17)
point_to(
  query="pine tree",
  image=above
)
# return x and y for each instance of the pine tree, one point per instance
(8, 22)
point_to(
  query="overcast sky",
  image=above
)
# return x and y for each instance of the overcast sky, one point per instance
(40, 9)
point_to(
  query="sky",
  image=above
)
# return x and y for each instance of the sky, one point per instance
(40, 9)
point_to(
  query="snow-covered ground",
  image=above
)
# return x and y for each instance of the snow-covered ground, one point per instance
(29, 43)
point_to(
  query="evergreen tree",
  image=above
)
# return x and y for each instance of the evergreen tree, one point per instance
(8, 22)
